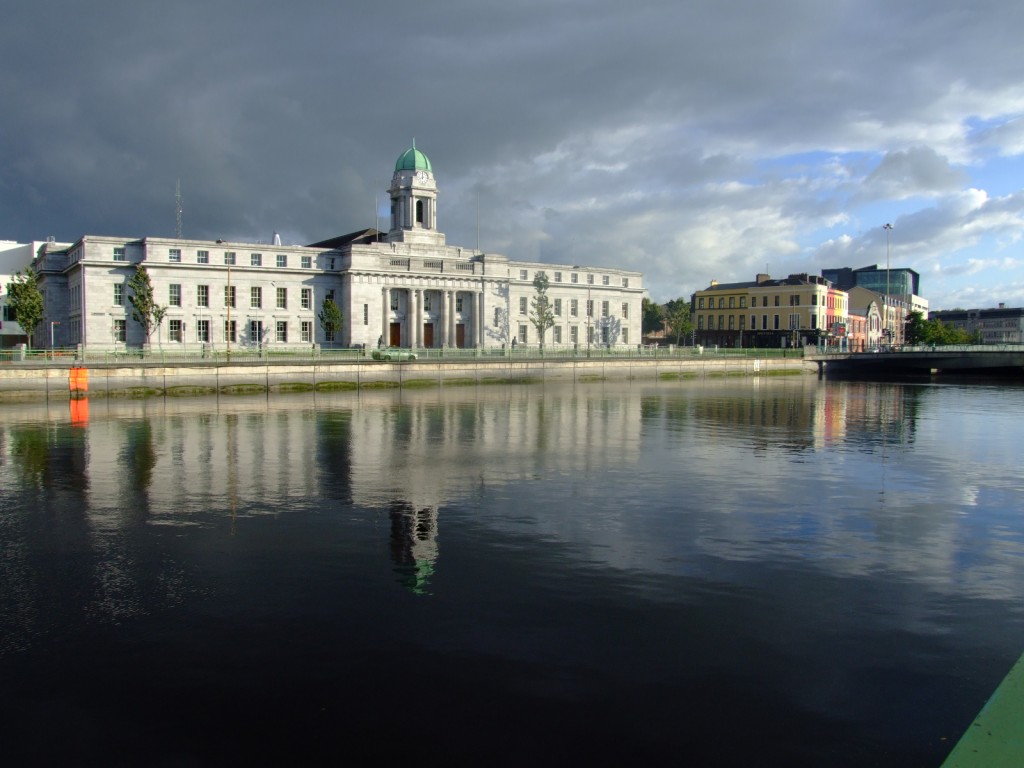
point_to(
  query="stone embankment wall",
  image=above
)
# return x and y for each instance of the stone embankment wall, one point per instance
(32, 381)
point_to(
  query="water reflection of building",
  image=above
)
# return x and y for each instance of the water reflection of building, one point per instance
(413, 544)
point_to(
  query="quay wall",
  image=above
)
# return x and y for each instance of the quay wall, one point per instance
(137, 380)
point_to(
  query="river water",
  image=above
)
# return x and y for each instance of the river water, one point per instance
(712, 572)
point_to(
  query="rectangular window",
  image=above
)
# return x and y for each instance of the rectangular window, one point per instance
(231, 331)
(605, 280)
(256, 259)
(732, 302)
(625, 310)
(764, 322)
(229, 296)
(743, 302)
(721, 322)
(202, 295)
(743, 322)
(120, 330)
(700, 322)
(174, 295)
(202, 257)
(394, 301)
(330, 295)
(497, 317)
(174, 330)
(557, 331)
(119, 295)
(558, 307)
(366, 314)
(282, 298)
(794, 322)
(775, 323)
(776, 301)
(700, 303)
(522, 305)
(574, 334)
(203, 331)
(625, 335)
(625, 284)
(558, 277)
(256, 297)
(604, 309)
(282, 331)
(306, 298)
(522, 274)
(590, 279)
(522, 334)
(229, 258)
(306, 331)
(426, 301)
(458, 303)
(574, 307)
(174, 255)
(575, 278)
(590, 307)
(282, 260)
(764, 301)
(732, 322)
(119, 254)
(307, 262)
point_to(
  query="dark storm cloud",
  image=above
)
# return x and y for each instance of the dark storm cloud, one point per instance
(647, 135)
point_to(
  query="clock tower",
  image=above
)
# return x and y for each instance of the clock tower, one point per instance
(413, 194)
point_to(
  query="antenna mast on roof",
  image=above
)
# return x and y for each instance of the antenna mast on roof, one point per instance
(177, 208)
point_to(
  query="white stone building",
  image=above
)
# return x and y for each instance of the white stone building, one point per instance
(403, 288)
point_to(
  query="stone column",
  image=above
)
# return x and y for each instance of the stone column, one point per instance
(385, 312)
(480, 323)
(442, 319)
(453, 320)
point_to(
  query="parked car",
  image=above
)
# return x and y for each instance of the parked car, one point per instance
(393, 353)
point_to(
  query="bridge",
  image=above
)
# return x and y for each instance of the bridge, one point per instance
(999, 359)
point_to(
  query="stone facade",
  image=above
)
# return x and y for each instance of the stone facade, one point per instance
(406, 287)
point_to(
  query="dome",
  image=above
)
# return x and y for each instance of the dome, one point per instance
(413, 160)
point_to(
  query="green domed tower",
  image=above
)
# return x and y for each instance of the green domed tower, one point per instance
(414, 200)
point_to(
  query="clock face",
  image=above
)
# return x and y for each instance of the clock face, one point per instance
(421, 175)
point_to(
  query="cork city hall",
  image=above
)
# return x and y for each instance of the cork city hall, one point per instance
(402, 288)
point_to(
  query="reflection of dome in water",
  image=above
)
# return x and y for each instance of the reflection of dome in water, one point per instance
(413, 545)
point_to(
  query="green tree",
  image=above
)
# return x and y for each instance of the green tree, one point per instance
(677, 313)
(145, 311)
(26, 301)
(916, 330)
(653, 316)
(542, 316)
(331, 319)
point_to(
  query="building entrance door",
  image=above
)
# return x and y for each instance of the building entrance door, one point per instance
(395, 335)
(428, 335)
(460, 336)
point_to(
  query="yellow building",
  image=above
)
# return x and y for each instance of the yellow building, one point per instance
(794, 311)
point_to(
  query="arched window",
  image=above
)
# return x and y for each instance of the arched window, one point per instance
(419, 211)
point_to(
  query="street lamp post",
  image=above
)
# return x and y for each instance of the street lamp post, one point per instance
(52, 323)
(888, 333)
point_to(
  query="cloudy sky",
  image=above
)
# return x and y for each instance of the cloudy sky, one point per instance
(700, 140)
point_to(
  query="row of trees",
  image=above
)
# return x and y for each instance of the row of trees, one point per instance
(917, 330)
(672, 317)
(25, 301)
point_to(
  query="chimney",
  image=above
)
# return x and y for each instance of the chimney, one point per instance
(1002, 305)
(714, 283)
(763, 278)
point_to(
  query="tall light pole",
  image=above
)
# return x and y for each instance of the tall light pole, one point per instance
(52, 323)
(888, 229)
